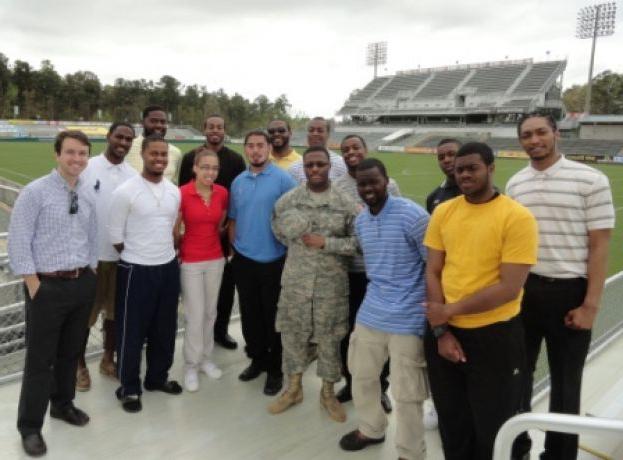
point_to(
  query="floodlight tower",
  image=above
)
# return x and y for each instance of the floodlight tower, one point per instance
(377, 54)
(595, 21)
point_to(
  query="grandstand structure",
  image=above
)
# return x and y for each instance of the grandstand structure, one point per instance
(488, 92)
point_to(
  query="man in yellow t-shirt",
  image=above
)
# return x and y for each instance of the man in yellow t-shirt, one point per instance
(481, 246)
(282, 154)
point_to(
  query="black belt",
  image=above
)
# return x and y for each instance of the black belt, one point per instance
(550, 280)
(65, 274)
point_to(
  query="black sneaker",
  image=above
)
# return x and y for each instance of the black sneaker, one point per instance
(129, 403)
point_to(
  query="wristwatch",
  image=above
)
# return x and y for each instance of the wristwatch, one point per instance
(440, 330)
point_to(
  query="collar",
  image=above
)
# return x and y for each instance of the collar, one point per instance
(109, 165)
(60, 180)
(553, 169)
(385, 209)
(193, 188)
(267, 171)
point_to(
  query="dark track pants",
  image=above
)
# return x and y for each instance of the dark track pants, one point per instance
(475, 398)
(146, 310)
(357, 284)
(56, 327)
(259, 286)
(544, 306)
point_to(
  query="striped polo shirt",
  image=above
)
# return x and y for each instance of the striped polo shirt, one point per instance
(395, 260)
(568, 199)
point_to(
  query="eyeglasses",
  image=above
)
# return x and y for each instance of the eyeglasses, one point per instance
(73, 202)
(281, 130)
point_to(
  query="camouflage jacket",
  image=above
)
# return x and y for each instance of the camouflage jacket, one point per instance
(314, 272)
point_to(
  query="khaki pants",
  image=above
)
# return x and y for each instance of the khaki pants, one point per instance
(368, 351)
(104, 292)
(200, 282)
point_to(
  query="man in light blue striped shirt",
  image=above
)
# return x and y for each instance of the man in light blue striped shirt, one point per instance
(391, 320)
(52, 245)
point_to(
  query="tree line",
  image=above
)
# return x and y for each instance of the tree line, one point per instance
(606, 95)
(44, 94)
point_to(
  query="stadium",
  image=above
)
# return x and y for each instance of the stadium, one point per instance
(402, 117)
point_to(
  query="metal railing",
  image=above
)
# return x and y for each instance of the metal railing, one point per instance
(564, 423)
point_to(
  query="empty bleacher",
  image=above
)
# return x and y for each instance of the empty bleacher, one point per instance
(402, 83)
(537, 76)
(442, 84)
(494, 79)
(369, 89)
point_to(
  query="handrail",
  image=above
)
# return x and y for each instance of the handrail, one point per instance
(564, 423)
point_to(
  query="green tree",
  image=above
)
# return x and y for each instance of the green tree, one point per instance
(606, 95)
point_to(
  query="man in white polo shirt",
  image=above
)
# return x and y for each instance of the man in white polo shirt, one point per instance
(318, 131)
(142, 215)
(572, 203)
(102, 176)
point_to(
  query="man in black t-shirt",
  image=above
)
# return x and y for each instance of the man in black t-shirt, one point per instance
(446, 151)
(231, 164)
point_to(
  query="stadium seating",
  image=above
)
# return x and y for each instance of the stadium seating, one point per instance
(491, 88)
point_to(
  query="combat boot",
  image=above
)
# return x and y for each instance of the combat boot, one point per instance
(293, 395)
(330, 402)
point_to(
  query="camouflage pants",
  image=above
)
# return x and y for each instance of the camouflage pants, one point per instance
(299, 352)
(310, 328)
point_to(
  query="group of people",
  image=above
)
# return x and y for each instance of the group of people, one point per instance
(330, 264)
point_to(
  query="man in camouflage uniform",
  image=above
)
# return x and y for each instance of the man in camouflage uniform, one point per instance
(315, 221)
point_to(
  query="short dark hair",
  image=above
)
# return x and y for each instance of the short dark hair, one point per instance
(280, 119)
(479, 148)
(154, 137)
(317, 148)
(551, 121)
(369, 163)
(449, 140)
(204, 151)
(256, 132)
(71, 134)
(355, 136)
(326, 122)
(152, 108)
(116, 124)
(213, 115)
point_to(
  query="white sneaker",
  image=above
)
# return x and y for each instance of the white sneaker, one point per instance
(430, 415)
(191, 380)
(210, 369)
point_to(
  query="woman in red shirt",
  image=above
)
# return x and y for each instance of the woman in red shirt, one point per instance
(203, 211)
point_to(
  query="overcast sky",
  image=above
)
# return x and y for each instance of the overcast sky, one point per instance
(312, 51)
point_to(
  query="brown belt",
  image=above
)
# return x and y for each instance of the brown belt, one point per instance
(65, 274)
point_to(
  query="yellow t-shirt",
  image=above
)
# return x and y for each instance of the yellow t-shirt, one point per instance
(287, 161)
(477, 239)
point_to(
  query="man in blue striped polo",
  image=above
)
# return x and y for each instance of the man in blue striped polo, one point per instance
(391, 319)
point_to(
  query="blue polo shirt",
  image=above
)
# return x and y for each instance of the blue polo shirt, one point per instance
(251, 202)
(395, 260)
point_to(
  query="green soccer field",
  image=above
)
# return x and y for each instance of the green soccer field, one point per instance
(417, 175)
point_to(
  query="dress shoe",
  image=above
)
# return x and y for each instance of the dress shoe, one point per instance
(70, 414)
(344, 395)
(273, 384)
(226, 341)
(34, 445)
(386, 403)
(357, 441)
(171, 387)
(83, 379)
(252, 372)
(129, 403)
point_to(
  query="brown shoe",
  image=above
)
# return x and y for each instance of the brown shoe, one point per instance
(108, 368)
(330, 402)
(293, 395)
(83, 379)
